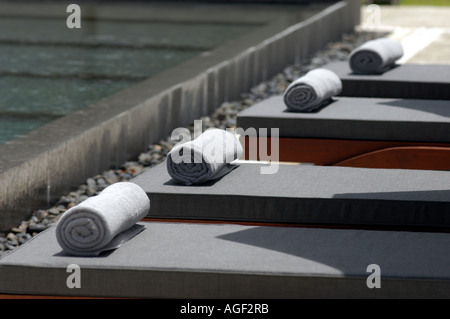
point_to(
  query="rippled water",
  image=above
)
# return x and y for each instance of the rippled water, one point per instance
(48, 71)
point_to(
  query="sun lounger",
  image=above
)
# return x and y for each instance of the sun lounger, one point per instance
(411, 81)
(193, 260)
(305, 194)
(231, 242)
(354, 131)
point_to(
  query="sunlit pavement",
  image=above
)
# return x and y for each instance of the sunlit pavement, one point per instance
(423, 31)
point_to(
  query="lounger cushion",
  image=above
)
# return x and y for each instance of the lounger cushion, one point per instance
(181, 260)
(354, 118)
(413, 81)
(306, 194)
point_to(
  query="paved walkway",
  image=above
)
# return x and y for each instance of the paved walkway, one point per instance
(423, 31)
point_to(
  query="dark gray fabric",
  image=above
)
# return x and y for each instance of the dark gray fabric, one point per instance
(180, 260)
(307, 194)
(412, 81)
(355, 118)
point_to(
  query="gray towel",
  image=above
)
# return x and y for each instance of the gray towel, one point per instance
(313, 90)
(206, 158)
(375, 56)
(103, 222)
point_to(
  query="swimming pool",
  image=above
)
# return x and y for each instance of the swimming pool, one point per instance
(48, 70)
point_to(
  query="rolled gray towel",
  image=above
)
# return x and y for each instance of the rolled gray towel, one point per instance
(205, 158)
(103, 222)
(375, 56)
(313, 90)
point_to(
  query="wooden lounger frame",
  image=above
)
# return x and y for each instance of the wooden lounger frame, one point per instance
(354, 153)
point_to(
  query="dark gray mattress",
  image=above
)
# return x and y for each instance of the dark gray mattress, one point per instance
(306, 194)
(181, 260)
(411, 120)
(413, 81)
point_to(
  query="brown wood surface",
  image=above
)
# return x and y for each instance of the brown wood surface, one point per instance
(406, 157)
(353, 153)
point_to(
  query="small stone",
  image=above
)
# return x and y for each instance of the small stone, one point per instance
(91, 191)
(230, 122)
(16, 229)
(23, 237)
(145, 158)
(91, 183)
(70, 205)
(54, 211)
(155, 157)
(10, 247)
(61, 208)
(156, 147)
(111, 177)
(11, 237)
(82, 189)
(101, 184)
(40, 214)
(64, 200)
(13, 243)
(166, 145)
(125, 176)
(36, 228)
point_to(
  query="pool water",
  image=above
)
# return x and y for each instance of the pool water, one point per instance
(48, 70)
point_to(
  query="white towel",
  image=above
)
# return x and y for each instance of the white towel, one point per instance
(103, 222)
(375, 56)
(313, 90)
(206, 158)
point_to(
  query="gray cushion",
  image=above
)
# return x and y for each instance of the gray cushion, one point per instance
(180, 260)
(355, 118)
(306, 194)
(413, 81)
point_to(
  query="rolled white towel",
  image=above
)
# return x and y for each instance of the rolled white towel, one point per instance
(103, 222)
(312, 90)
(375, 56)
(205, 158)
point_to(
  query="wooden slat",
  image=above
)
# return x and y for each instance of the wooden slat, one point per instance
(355, 153)
(407, 157)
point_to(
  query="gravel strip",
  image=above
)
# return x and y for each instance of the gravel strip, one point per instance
(224, 117)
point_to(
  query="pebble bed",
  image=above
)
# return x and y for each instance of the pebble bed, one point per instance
(224, 117)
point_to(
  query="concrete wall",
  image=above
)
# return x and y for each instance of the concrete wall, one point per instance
(61, 155)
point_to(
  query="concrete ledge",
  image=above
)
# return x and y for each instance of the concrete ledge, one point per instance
(40, 166)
